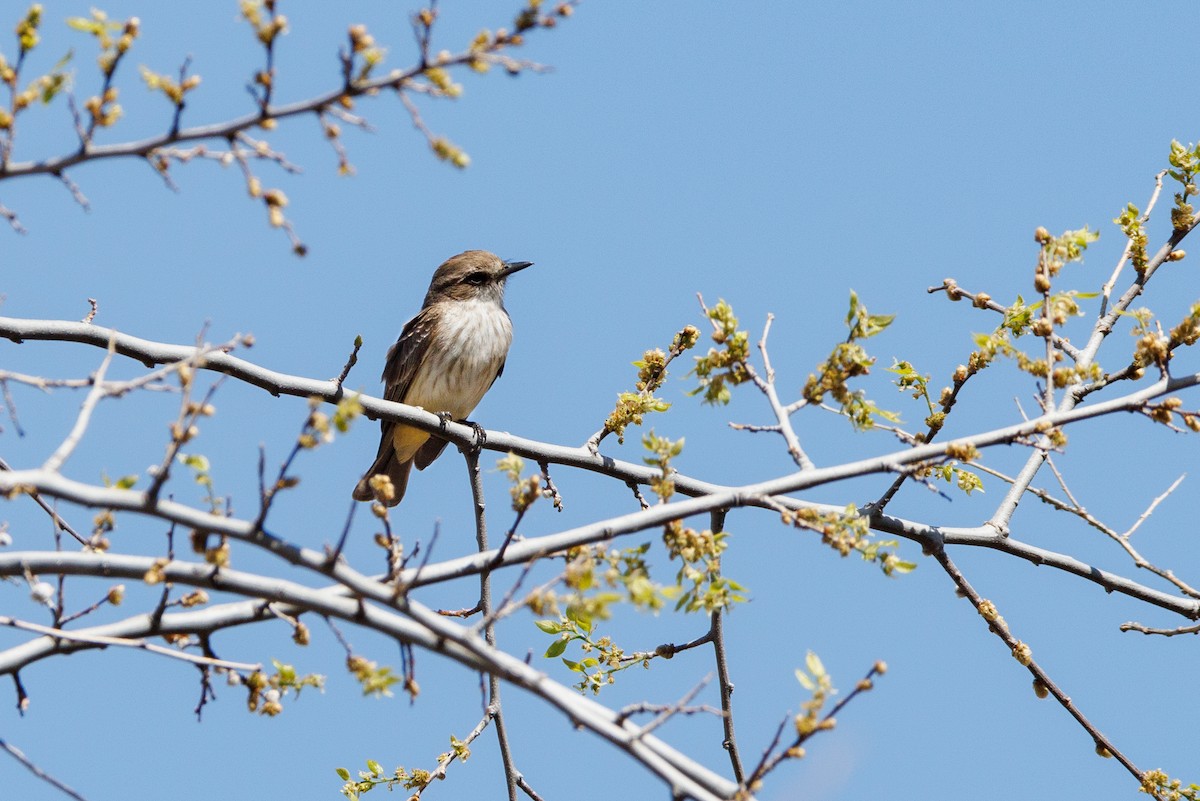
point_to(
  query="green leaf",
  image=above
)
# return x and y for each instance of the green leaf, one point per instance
(343, 774)
(572, 665)
(556, 648)
(195, 461)
(878, 322)
(374, 767)
(548, 626)
(64, 61)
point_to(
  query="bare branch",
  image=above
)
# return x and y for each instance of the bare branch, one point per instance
(56, 460)
(413, 623)
(102, 641)
(1021, 652)
(1106, 292)
(1153, 505)
(19, 755)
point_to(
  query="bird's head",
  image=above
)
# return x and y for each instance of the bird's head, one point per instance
(473, 275)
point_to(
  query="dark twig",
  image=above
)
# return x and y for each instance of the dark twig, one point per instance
(76, 192)
(13, 221)
(729, 743)
(716, 634)
(336, 553)
(525, 788)
(54, 515)
(11, 405)
(771, 760)
(18, 755)
(1195, 629)
(489, 630)
(350, 362)
(1022, 653)
(551, 491)
(664, 712)
(637, 493)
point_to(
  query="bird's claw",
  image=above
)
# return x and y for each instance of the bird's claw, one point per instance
(480, 435)
(445, 417)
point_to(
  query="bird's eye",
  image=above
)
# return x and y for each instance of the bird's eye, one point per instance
(477, 278)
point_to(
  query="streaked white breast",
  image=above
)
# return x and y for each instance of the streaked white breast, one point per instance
(468, 348)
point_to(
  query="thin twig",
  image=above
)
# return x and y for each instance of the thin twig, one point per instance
(550, 491)
(54, 515)
(771, 760)
(451, 756)
(350, 362)
(489, 630)
(1153, 505)
(60, 455)
(76, 192)
(1024, 655)
(783, 424)
(19, 755)
(1106, 292)
(142, 645)
(716, 633)
(1194, 629)
(1121, 539)
(664, 712)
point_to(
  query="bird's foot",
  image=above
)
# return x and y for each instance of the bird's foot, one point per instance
(445, 417)
(480, 435)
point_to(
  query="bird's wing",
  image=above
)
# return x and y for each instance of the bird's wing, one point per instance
(403, 359)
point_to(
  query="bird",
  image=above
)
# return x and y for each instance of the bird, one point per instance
(446, 358)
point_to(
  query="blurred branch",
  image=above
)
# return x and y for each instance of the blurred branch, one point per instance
(398, 80)
(19, 755)
(102, 641)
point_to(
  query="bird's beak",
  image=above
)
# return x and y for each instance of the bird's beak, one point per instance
(511, 267)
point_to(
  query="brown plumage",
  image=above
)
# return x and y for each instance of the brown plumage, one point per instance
(446, 358)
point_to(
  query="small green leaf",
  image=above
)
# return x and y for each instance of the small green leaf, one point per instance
(343, 774)
(548, 626)
(195, 461)
(556, 648)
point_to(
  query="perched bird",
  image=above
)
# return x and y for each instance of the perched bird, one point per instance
(446, 358)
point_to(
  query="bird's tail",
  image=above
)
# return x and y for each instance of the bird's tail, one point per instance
(386, 464)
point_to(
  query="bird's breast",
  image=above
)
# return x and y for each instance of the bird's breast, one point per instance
(466, 349)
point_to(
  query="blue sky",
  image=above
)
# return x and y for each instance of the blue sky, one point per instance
(776, 156)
